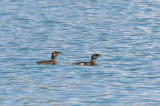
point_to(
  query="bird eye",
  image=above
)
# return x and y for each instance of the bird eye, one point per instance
(97, 54)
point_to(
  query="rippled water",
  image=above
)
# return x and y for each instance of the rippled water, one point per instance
(125, 32)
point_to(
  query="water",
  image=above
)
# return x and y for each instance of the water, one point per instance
(125, 33)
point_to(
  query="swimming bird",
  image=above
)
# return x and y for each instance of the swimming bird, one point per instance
(91, 63)
(53, 60)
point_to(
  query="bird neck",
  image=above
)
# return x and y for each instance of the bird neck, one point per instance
(93, 61)
(54, 59)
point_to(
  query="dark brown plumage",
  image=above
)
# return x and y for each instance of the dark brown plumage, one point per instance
(91, 63)
(53, 59)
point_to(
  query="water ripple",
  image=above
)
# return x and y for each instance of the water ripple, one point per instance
(125, 33)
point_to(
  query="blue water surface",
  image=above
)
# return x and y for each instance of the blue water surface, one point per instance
(125, 32)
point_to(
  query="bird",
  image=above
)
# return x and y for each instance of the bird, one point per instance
(91, 63)
(53, 60)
